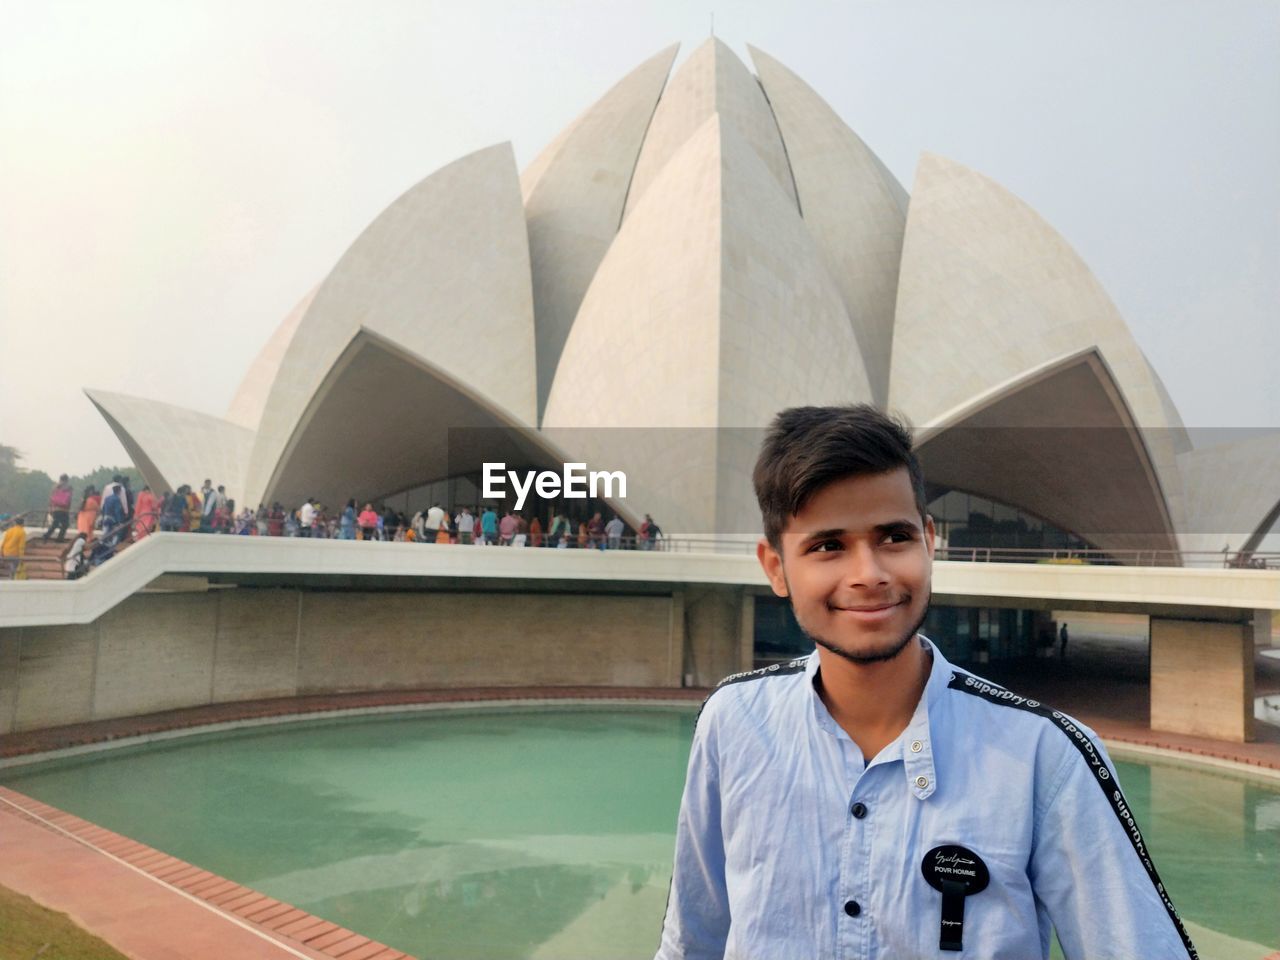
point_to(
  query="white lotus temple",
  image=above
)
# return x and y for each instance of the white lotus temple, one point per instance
(695, 252)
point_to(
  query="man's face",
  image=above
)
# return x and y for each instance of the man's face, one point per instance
(856, 563)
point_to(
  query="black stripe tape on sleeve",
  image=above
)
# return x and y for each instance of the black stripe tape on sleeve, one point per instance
(773, 670)
(1105, 779)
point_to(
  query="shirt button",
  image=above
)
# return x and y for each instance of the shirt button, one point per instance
(916, 746)
(851, 908)
(859, 810)
(922, 782)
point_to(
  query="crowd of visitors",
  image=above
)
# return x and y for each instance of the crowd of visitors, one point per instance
(102, 522)
(108, 517)
(467, 525)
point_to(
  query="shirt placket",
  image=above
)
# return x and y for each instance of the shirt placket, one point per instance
(851, 937)
(850, 905)
(876, 793)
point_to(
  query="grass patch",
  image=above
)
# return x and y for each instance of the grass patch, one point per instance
(28, 931)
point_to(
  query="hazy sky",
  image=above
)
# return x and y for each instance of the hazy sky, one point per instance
(174, 176)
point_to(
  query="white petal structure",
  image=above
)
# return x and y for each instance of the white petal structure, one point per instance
(444, 272)
(401, 420)
(694, 253)
(712, 81)
(246, 406)
(987, 292)
(1232, 493)
(173, 445)
(573, 197)
(711, 309)
(1062, 444)
(853, 206)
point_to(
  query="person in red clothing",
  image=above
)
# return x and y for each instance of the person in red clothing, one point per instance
(59, 509)
(507, 527)
(275, 520)
(368, 521)
(145, 513)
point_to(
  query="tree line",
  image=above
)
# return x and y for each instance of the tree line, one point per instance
(23, 490)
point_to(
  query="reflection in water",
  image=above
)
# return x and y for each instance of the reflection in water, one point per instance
(1218, 860)
(543, 835)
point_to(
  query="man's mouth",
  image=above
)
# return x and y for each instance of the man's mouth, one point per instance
(868, 612)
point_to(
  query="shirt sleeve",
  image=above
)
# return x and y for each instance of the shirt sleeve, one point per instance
(697, 920)
(1091, 869)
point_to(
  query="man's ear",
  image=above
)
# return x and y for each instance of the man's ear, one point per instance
(771, 561)
(929, 535)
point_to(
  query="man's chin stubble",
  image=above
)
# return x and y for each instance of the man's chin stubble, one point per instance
(878, 656)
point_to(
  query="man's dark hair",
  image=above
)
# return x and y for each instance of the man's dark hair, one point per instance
(808, 448)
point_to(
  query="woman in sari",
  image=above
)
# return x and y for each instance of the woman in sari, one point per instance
(145, 513)
(88, 515)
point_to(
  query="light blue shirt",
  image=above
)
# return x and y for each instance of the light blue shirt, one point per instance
(788, 848)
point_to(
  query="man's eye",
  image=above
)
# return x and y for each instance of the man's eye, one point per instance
(900, 536)
(826, 546)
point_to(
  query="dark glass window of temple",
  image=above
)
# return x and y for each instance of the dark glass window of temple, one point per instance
(968, 636)
(968, 521)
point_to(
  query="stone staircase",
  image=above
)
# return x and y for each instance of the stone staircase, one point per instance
(44, 559)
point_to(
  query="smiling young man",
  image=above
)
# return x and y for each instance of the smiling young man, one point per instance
(870, 800)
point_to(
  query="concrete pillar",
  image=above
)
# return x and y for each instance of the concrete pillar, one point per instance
(1202, 678)
(712, 634)
(1264, 623)
(10, 653)
(677, 642)
(747, 633)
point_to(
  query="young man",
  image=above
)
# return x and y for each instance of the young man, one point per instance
(465, 523)
(870, 800)
(208, 506)
(306, 516)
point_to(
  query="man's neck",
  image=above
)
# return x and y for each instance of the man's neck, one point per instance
(873, 702)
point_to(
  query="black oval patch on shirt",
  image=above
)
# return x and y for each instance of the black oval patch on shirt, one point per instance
(959, 873)
(960, 864)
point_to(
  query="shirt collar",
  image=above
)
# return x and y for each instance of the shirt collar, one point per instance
(914, 745)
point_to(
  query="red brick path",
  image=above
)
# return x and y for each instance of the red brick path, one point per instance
(162, 909)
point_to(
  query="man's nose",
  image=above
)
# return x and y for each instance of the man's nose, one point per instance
(864, 568)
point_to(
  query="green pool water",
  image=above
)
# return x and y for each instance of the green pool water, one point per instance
(543, 833)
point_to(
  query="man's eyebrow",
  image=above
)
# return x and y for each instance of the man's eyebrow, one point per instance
(831, 533)
(902, 525)
(898, 526)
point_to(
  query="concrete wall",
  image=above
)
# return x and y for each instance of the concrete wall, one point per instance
(165, 651)
(1202, 679)
(714, 623)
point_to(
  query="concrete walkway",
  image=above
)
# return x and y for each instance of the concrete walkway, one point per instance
(1103, 682)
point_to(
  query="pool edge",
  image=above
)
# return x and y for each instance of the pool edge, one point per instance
(283, 930)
